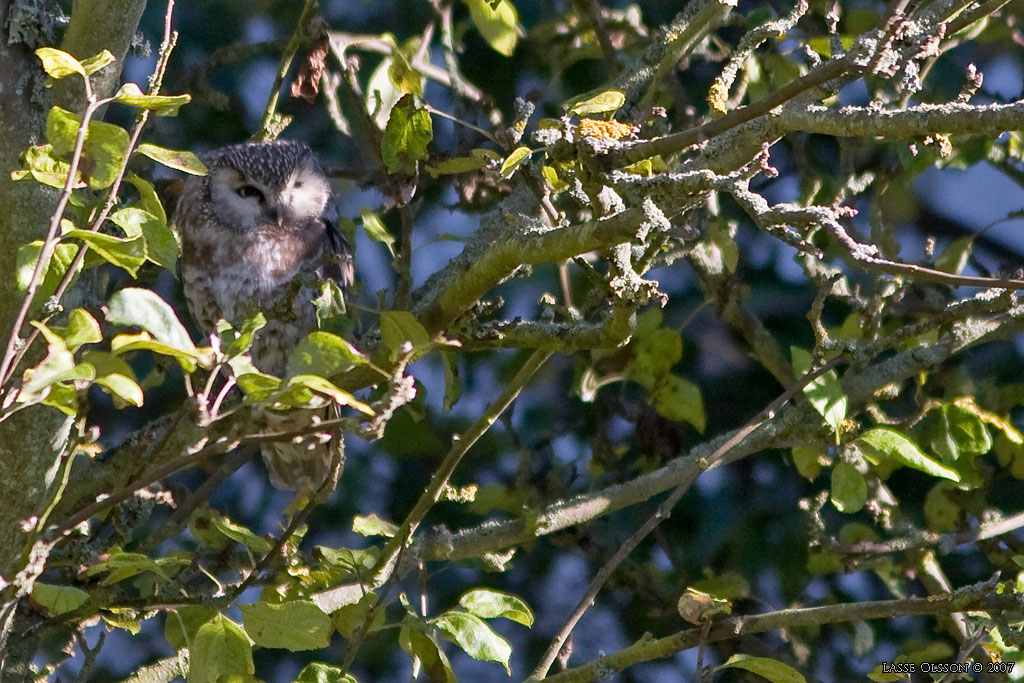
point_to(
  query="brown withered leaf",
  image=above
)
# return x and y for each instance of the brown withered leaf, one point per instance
(307, 83)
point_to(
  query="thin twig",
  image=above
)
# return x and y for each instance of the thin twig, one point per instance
(663, 512)
(269, 125)
(461, 444)
(170, 39)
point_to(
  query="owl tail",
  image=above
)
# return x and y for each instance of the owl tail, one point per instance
(305, 465)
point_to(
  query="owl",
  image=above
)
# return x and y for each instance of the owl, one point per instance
(257, 233)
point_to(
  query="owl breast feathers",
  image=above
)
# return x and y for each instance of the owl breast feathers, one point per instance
(257, 234)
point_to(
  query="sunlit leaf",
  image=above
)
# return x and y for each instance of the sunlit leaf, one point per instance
(317, 672)
(58, 599)
(126, 253)
(892, 444)
(180, 160)
(105, 145)
(607, 101)
(849, 491)
(772, 669)
(325, 354)
(488, 604)
(161, 246)
(372, 525)
(57, 64)
(432, 658)
(399, 327)
(98, 61)
(81, 329)
(161, 105)
(237, 532)
(220, 647)
(824, 393)
(295, 625)
(679, 400)
(408, 132)
(375, 229)
(474, 637)
(497, 22)
(513, 161)
(43, 165)
(143, 308)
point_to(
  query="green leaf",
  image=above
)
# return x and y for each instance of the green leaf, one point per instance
(177, 159)
(81, 329)
(381, 93)
(188, 617)
(679, 400)
(126, 565)
(375, 229)
(57, 64)
(452, 383)
(488, 604)
(809, 460)
(718, 247)
(149, 201)
(730, 585)
(956, 431)
(497, 22)
(399, 327)
(475, 637)
(237, 532)
(98, 61)
(143, 308)
(513, 161)
(57, 366)
(849, 490)
(655, 351)
(295, 625)
(327, 388)
(479, 158)
(115, 376)
(401, 72)
(106, 145)
(28, 254)
(607, 101)
(372, 525)
(825, 393)
(123, 343)
(58, 600)
(236, 342)
(347, 619)
(955, 257)
(161, 246)
(941, 512)
(772, 669)
(126, 253)
(161, 105)
(316, 672)
(325, 354)
(220, 647)
(420, 645)
(408, 132)
(43, 165)
(890, 443)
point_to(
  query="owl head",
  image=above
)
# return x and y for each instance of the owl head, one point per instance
(265, 184)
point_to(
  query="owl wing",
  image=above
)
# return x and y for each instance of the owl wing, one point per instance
(339, 266)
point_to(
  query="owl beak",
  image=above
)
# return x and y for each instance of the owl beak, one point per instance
(276, 214)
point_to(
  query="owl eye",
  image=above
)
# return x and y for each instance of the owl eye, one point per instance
(249, 191)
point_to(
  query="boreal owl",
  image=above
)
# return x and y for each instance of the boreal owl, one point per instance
(257, 233)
